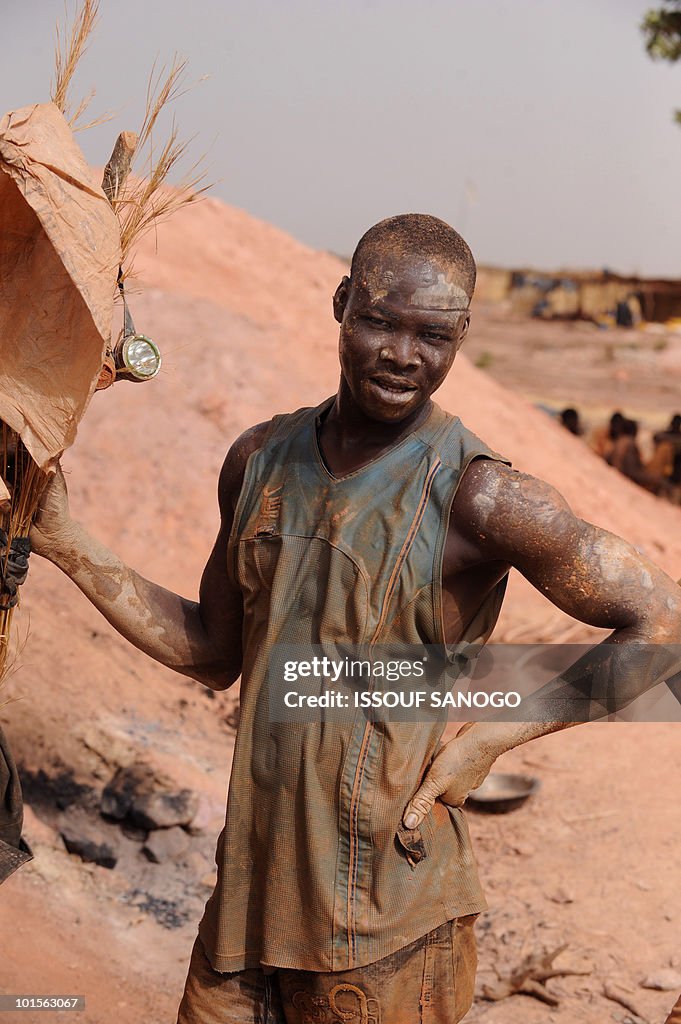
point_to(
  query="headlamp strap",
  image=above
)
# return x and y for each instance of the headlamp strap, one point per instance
(128, 325)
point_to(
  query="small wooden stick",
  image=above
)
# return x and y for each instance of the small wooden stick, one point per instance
(118, 167)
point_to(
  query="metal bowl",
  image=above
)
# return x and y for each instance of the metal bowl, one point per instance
(502, 792)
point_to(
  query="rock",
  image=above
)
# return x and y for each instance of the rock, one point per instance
(166, 844)
(132, 832)
(209, 817)
(88, 849)
(146, 799)
(119, 794)
(664, 980)
(163, 810)
(113, 748)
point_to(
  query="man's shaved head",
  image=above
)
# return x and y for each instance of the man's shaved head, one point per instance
(403, 313)
(414, 235)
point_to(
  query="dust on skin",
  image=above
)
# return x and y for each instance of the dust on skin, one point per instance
(646, 580)
(139, 603)
(438, 289)
(540, 497)
(601, 552)
(110, 582)
(484, 506)
(606, 559)
(597, 563)
(106, 581)
(443, 293)
(609, 575)
(378, 281)
(584, 570)
(535, 504)
(153, 628)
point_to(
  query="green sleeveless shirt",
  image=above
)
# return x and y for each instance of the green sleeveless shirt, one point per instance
(314, 869)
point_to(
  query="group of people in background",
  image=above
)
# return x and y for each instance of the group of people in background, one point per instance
(616, 442)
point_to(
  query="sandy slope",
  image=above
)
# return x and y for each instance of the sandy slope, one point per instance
(243, 315)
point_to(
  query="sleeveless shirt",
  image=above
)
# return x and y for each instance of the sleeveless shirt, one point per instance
(315, 870)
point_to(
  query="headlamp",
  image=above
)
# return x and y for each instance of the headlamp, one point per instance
(136, 357)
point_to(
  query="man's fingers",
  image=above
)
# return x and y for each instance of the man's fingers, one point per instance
(422, 802)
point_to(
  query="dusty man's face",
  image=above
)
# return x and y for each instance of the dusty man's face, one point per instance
(401, 326)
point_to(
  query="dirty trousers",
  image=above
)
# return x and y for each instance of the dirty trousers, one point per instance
(431, 981)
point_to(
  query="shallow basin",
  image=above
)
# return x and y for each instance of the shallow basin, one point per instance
(502, 791)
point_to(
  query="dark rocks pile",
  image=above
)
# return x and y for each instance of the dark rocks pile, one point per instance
(147, 800)
(149, 809)
(89, 850)
(157, 834)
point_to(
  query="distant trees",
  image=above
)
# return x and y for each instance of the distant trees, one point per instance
(661, 28)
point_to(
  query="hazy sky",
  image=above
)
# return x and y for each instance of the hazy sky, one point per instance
(539, 127)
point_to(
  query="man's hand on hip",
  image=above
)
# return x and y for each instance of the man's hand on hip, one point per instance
(459, 766)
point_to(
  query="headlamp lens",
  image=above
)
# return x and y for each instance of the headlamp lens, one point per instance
(141, 356)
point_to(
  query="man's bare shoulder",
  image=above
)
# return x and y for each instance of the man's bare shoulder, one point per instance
(234, 466)
(500, 509)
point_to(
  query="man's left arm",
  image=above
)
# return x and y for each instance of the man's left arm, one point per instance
(585, 571)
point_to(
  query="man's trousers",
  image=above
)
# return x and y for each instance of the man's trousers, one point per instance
(431, 981)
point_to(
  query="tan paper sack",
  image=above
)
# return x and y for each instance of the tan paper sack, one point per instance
(59, 255)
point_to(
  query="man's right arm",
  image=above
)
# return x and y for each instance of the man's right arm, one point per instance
(200, 639)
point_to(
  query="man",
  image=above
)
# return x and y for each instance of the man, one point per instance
(626, 457)
(347, 887)
(603, 438)
(570, 419)
(668, 452)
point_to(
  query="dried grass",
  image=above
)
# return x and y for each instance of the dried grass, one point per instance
(146, 201)
(68, 52)
(69, 49)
